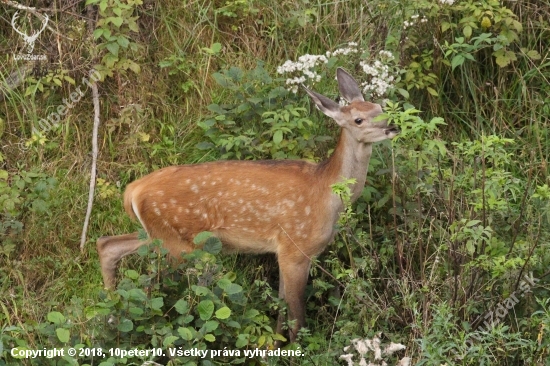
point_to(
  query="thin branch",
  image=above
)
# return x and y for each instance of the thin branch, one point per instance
(95, 96)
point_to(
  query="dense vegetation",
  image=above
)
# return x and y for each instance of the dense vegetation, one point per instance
(447, 252)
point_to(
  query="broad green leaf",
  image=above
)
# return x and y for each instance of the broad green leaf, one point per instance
(56, 317)
(117, 21)
(213, 245)
(157, 303)
(278, 137)
(457, 61)
(206, 309)
(210, 338)
(223, 313)
(181, 306)
(132, 274)
(169, 341)
(185, 333)
(201, 237)
(113, 48)
(63, 334)
(98, 32)
(211, 325)
(126, 325)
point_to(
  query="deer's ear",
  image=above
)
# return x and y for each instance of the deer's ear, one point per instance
(348, 86)
(325, 105)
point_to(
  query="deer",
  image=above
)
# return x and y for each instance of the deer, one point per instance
(286, 207)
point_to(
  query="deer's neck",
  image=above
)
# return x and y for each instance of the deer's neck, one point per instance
(349, 160)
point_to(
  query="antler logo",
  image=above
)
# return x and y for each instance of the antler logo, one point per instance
(32, 38)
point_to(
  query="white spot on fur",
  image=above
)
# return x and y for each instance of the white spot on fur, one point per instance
(188, 181)
(173, 201)
(176, 219)
(164, 205)
(308, 210)
(194, 188)
(300, 199)
(160, 193)
(157, 211)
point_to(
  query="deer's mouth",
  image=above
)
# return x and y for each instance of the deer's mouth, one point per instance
(392, 129)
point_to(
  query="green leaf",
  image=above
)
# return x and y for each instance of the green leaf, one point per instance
(432, 91)
(533, 54)
(134, 67)
(63, 334)
(242, 340)
(103, 5)
(169, 341)
(185, 333)
(206, 309)
(472, 223)
(201, 237)
(157, 303)
(403, 92)
(223, 313)
(457, 61)
(200, 290)
(213, 245)
(209, 338)
(117, 21)
(278, 137)
(467, 31)
(504, 57)
(181, 306)
(123, 41)
(204, 145)
(211, 325)
(113, 48)
(69, 79)
(132, 274)
(56, 317)
(97, 33)
(230, 288)
(470, 247)
(126, 325)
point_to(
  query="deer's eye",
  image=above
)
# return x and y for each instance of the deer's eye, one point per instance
(358, 121)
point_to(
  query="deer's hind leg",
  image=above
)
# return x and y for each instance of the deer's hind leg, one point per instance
(111, 250)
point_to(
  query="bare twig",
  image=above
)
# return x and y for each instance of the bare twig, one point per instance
(95, 96)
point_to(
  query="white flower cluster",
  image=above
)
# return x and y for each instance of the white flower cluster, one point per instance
(362, 346)
(306, 64)
(447, 2)
(352, 48)
(381, 75)
(414, 19)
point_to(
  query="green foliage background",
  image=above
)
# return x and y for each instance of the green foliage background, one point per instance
(454, 216)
